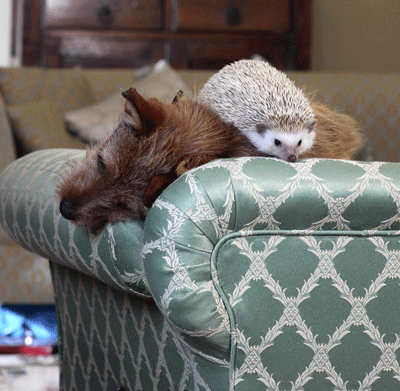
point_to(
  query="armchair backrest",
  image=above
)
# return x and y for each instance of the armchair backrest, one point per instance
(373, 99)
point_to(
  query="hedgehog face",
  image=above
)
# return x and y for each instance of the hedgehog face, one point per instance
(284, 145)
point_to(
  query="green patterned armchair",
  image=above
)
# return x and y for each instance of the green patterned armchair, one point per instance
(256, 274)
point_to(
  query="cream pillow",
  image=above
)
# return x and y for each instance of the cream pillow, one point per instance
(95, 122)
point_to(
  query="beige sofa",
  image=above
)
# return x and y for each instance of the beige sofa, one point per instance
(34, 103)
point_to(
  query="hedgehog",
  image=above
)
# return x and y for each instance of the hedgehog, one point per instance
(276, 116)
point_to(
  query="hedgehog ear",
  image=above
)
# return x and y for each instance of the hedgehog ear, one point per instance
(264, 127)
(142, 115)
(311, 126)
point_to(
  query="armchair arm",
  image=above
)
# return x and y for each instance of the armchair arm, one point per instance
(239, 252)
(29, 213)
(223, 222)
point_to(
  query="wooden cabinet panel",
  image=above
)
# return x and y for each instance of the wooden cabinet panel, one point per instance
(104, 50)
(216, 51)
(197, 34)
(120, 14)
(230, 15)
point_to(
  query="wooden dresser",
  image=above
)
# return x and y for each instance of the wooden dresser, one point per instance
(192, 34)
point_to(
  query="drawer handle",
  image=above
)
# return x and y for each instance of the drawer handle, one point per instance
(105, 16)
(233, 16)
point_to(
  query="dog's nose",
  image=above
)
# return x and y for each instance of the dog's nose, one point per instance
(292, 158)
(67, 209)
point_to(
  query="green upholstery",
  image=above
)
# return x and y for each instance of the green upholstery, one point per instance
(33, 102)
(257, 274)
(290, 272)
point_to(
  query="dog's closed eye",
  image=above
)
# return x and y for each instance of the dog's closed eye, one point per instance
(100, 163)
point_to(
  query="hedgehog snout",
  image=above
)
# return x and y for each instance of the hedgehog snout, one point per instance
(292, 158)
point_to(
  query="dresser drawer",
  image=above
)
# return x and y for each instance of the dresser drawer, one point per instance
(188, 33)
(96, 49)
(95, 14)
(228, 15)
(221, 49)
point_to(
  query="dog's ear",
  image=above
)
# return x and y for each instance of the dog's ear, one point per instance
(142, 115)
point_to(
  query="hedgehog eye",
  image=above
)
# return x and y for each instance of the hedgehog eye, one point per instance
(299, 143)
(100, 164)
(277, 142)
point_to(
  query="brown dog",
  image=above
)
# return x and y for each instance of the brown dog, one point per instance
(153, 145)
(337, 135)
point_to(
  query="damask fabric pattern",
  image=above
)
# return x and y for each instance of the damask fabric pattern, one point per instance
(111, 332)
(29, 213)
(265, 272)
(109, 339)
(291, 273)
(328, 326)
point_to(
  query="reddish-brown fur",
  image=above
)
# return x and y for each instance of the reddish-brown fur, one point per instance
(336, 134)
(153, 145)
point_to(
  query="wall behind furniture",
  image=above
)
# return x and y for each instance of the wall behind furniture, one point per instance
(5, 32)
(356, 35)
(348, 35)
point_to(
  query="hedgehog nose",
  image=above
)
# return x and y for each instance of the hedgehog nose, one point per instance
(67, 209)
(292, 158)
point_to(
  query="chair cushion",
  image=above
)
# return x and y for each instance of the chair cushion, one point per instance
(42, 130)
(24, 276)
(26, 84)
(37, 98)
(7, 150)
